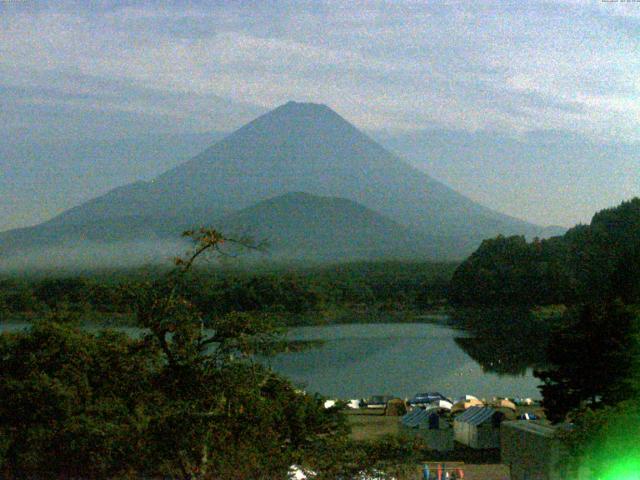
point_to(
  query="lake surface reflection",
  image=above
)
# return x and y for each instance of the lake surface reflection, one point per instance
(358, 360)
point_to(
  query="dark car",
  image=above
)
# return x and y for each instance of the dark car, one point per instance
(528, 416)
(421, 399)
(378, 401)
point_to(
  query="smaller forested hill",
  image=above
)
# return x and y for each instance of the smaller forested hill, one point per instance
(598, 261)
(300, 226)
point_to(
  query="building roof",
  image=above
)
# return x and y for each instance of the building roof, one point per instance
(476, 415)
(417, 416)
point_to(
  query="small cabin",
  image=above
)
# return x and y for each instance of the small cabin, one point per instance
(478, 427)
(531, 450)
(430, 426)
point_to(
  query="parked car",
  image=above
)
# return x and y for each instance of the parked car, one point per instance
(424, 399)
(378, 401)
(528, 416)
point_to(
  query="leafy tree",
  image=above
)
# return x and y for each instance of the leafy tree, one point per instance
(510, 271)
(180, 401)
(56, 290)
(605, 441)
(593, 355)
(19, 297)
(73, 404)
(224, 410)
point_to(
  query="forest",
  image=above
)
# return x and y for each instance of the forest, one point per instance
(321, 294)
(599, 261)
(589, 262)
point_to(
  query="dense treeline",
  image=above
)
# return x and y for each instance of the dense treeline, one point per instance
(592, 262)
(295, 292)
(592, 356)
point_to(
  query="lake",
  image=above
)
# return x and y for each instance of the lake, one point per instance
(359, 360)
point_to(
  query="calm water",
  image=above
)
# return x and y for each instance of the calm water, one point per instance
(358, 360)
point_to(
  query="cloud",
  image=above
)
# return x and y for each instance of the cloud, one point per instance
(397, 65)
(74, 69)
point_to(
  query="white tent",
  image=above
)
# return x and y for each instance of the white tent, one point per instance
(466, 398)
(443, 404)
(465, 404)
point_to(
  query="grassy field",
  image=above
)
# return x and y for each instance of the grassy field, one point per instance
(372, 424)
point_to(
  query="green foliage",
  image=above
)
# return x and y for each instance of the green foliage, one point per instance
(387, 457)
(510, 271)
(594, 353)
(594, 383)
(589, 263)
(73, 404)
(299, 295)
(605, 441)
(177, 402)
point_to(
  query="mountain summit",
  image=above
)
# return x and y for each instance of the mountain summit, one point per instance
(297, 147)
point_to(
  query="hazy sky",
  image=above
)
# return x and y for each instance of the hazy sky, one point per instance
(123, 69)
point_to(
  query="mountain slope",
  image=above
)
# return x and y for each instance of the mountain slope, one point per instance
(66, 172)
(296, 147)
(300, 147)
(302, 226)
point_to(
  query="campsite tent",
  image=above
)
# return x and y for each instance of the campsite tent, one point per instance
(504, 403)
(395, 408)
(478, 427)
(465, 404)
(433, 429)
(466, 398)
(443, 404)
(505, 406)
(428, 398)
